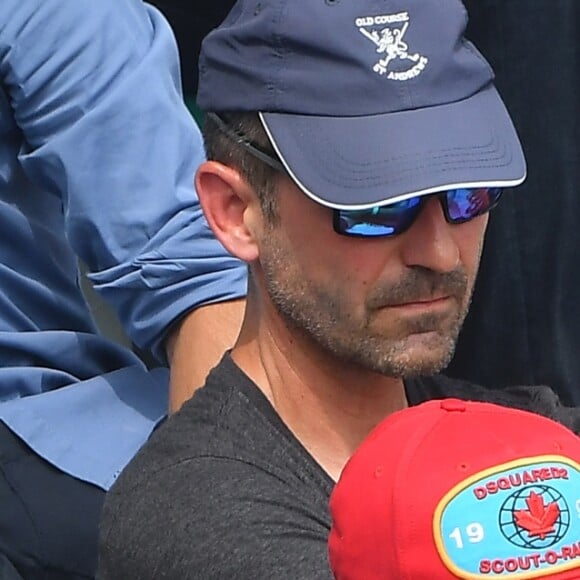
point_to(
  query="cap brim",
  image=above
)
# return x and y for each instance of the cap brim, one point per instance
(358, 162)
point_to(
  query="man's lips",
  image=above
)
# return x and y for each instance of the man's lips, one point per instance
(434, 302)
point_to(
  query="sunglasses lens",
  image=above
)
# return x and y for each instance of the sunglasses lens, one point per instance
(461, 205)
(387, 220)
(465, 204)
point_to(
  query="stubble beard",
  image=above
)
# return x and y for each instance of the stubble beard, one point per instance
(326, 317)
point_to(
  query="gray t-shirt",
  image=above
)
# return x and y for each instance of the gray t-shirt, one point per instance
(224, 490)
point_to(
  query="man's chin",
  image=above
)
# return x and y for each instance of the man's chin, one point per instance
(424, 353)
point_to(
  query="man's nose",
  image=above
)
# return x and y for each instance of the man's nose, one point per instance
(429, 242)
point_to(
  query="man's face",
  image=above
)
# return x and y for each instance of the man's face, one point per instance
(391, 305)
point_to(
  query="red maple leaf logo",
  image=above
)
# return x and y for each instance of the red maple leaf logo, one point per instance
(539, 519)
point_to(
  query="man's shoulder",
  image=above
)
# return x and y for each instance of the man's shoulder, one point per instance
(227, 431)
(215, 493)
(539, 399)
(223, 419)
(210, 517)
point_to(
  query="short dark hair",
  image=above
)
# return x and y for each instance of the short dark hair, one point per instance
(221, 147)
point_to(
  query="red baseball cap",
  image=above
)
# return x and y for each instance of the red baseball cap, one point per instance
(456, 489)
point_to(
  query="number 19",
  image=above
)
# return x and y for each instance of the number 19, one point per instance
(474, 533)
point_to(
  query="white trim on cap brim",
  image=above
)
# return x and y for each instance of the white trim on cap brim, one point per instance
(503, 183)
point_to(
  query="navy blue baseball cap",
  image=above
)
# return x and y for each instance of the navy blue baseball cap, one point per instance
(367, 102)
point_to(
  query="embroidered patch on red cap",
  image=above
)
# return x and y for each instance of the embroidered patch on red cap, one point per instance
(519, 520)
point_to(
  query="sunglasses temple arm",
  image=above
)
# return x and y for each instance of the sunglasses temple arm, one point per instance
(240, 140)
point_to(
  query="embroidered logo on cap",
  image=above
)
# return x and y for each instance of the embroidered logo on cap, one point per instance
(389, 42)
(517, 520)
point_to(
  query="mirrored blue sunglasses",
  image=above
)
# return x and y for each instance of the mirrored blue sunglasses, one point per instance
(459, 205)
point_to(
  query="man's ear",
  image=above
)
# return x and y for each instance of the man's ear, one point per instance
(229, 205)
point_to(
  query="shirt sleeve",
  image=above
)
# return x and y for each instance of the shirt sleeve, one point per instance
(96, 93)
(211, 518)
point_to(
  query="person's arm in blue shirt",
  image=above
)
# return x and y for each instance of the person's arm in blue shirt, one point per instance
(95, 90)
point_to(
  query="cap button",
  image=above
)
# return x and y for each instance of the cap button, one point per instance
(453, 405)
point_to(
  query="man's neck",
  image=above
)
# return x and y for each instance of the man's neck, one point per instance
(329, 405)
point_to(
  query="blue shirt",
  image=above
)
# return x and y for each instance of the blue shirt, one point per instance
(97, 158)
